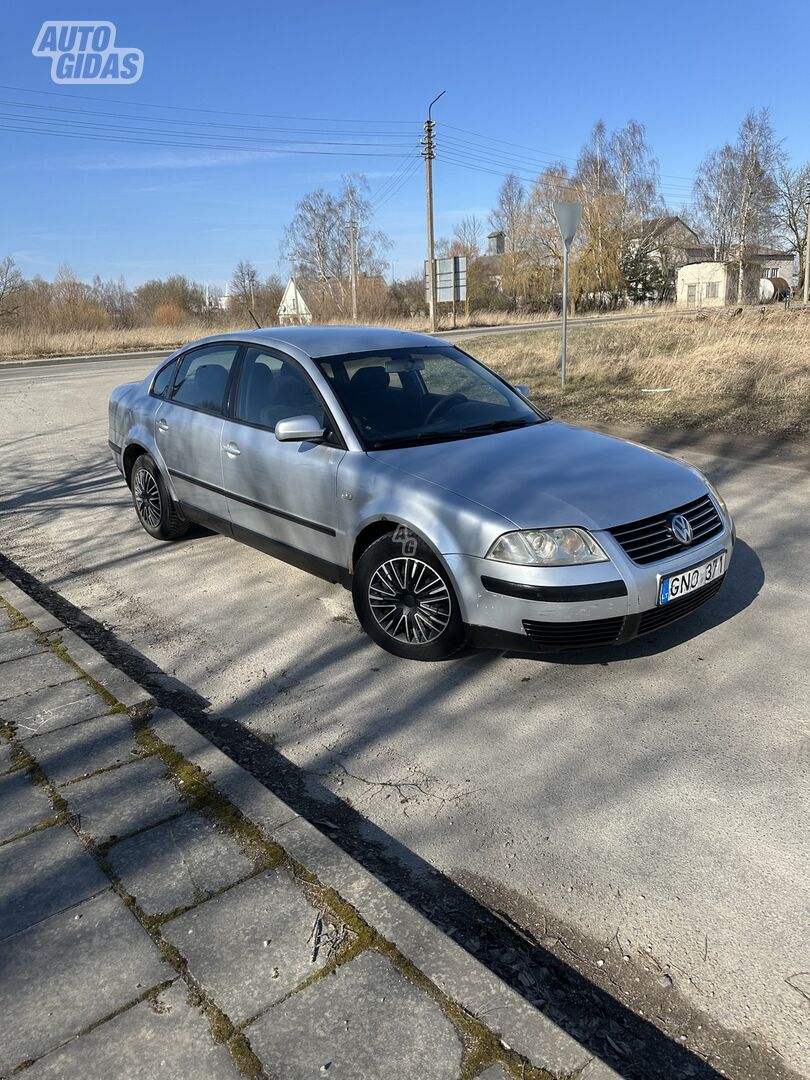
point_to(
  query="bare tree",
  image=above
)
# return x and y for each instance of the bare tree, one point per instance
(793, 194)
(635, 173)
(759, 156)
(316, 242)
(11, 284)
(467, 237)
(245, 284)
(714, 196)
(509, 215)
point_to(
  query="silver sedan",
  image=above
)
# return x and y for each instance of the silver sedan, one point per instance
(452, 507)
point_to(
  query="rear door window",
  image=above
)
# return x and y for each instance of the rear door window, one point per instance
(163, 380)
(202, 377)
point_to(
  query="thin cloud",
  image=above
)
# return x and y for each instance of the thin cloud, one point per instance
(177, 160)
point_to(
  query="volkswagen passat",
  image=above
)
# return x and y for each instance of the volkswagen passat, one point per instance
(451, 506)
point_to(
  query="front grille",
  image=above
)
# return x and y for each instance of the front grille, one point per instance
(675, 609)
(574, 635)
(649, 539)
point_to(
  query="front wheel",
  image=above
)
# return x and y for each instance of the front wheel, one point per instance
(156, 511)
(405, 600)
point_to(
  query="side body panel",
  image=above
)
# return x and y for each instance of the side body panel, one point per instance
(285, 491)
(190, 445)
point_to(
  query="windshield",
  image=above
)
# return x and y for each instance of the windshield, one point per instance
(405, 397)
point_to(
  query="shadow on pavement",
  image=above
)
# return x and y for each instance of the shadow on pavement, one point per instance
(629, 1043)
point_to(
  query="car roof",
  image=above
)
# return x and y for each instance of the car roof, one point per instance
(332, 340)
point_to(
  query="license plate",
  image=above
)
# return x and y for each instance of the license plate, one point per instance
(687, 581)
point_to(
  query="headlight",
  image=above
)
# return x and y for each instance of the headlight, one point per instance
(547, 547)
(718, 498)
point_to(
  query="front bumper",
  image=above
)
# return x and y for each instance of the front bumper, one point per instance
(574, 607)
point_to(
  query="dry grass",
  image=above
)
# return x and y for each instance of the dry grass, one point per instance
(18, 342)
(749, 373)
(22, 342)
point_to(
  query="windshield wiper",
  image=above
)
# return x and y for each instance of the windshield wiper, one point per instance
(497, 425)
(421, 437)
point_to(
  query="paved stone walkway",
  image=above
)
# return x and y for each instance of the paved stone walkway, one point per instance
(164, 915)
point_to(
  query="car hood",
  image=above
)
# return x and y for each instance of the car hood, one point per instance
(554, 474)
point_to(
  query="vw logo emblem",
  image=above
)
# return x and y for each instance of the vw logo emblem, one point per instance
(681, 529)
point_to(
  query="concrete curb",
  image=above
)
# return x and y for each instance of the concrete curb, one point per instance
(457, 974)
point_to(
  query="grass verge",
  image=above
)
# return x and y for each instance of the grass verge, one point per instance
(748, 373)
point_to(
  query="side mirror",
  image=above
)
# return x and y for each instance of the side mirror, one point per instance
(299, 429)
(521, 389)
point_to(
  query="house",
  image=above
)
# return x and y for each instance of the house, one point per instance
(654, 257)
(707, 284)
(671, 235)
(496, 242)
(293, 309)
(710, 283)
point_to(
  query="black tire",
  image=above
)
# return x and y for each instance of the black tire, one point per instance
(156, 511)
(422, 620)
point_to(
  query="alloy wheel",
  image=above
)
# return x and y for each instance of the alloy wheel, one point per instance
(147, 498)
(409, 600)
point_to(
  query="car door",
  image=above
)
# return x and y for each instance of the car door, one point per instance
(282, 492)
(188, 430)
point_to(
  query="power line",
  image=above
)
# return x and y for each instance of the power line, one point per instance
(494, 156)
(541, 153)
(198, 146)
(396, 181)
(195, 123)
(211, 112)
(81, 124)
(481, 164)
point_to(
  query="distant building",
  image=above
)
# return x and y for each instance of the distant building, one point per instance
(663, 242)
(669, 232)
(293, 309)
(496, 242)
(710, 283)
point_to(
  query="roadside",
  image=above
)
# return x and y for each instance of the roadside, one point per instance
(160, 907)
(158, 342)
(744, 374)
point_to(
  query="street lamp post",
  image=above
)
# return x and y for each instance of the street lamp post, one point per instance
(568, 215)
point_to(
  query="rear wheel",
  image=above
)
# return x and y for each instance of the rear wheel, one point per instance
(156, 511)
(405, 600)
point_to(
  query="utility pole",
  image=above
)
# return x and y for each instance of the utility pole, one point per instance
(807, 251)
(353, 258)
(353, 253)
(429, 153)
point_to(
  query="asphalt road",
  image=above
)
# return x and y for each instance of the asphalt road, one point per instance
(646, 803)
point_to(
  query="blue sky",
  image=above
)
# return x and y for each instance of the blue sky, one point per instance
(536, 74)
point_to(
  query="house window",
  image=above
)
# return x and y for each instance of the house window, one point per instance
(770, 271)
(712, 290)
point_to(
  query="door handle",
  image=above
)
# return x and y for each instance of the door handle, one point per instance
(161, 425)
(231, 449)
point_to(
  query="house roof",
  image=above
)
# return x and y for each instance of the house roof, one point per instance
(658, 225)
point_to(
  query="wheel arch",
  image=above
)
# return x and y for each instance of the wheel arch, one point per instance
(131, 454)
(382, 526)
